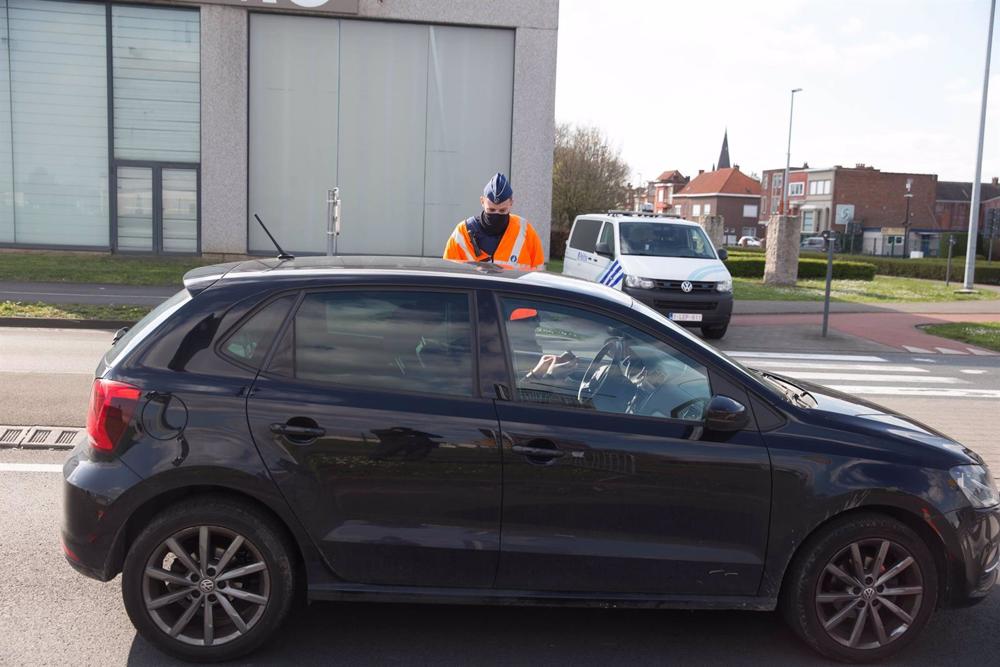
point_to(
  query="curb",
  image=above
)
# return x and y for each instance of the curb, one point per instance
(55, 323)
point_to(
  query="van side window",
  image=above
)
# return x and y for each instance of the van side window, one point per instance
(584, 236)
(608, 236)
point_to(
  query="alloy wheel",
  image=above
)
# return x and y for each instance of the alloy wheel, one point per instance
(206, 586)
(869, 594)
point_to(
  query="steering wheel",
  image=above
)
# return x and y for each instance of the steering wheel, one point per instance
(590, 384)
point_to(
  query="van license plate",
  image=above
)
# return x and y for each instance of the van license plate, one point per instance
(685, 317)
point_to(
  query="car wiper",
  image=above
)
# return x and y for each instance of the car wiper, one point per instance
(794, 391)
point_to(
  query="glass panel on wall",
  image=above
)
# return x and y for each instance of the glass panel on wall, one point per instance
(156, 61)
(6, 156)
(294, 64)
(468, 123)
(383, 78)
(58, 83)
(180, 210)
(135, 209)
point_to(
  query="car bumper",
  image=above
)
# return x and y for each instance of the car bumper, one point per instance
(715, 308)
(91, 522)
(975, 555)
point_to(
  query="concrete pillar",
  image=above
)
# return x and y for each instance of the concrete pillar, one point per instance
(715, 228)
(782, 255)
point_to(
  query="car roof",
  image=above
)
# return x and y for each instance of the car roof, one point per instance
(341, 266)
(638, 218)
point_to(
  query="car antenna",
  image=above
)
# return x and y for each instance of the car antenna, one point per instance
(281, 253)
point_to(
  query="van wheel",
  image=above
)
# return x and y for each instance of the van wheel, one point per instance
(862, 589)
(716, 332)
(208, 580)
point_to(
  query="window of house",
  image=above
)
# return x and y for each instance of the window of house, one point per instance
(749, 210)
(659, 194)
(750, 231)
(568, 356)
(812, 187)
(707, 210)
(795, 189)
(826, 187)
(808, 221)
(696, 209)
(394, 340)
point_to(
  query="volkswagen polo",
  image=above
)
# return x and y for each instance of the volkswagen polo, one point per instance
(421, 430)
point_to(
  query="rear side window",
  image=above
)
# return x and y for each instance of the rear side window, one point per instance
(584, 236)
(250, 342)
(146, 325)
(394, 340)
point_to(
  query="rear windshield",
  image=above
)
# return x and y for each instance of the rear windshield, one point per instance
(146, 325)
(660, 239)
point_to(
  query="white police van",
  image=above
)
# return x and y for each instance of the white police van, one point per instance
(663, 261)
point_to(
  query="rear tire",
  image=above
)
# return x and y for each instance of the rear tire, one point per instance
(227, 592)
(716, 332)
(867, 612)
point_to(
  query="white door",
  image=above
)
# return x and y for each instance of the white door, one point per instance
(606, 269)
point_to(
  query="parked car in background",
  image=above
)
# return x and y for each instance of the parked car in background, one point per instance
(663, 261)
(818, 244)
(366, 428)
(748, 242)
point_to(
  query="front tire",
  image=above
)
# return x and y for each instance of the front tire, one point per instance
(716, 332)
(862, 589)
(208, 580)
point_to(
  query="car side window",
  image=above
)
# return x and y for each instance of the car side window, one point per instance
(569, 356)
(584, 235)
(250, 342)
(608, 236)
(382, 339)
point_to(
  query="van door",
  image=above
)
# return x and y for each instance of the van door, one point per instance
(607, 269)
(580, 259)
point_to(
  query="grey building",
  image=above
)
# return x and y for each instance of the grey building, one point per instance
(162, 127)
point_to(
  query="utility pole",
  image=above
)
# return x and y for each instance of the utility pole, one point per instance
(788, 155)
(906, 221)
(970, 250)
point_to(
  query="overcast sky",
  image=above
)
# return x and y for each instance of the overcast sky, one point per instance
(888, 83)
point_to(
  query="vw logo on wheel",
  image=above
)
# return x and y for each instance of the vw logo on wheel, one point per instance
(686, 286)
(207, 585)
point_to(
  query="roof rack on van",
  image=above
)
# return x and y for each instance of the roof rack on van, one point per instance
(642, 214)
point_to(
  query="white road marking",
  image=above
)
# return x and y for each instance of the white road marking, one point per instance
(940, 392)
(796, 355)
(776, 363)
(948, 350)
(981, 352)
(926, 361)
(918, 350)
(30, 467)
(971, 371)
(874, 377)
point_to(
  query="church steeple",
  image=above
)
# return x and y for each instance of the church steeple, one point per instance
(724, 154)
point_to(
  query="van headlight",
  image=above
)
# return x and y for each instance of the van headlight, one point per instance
(640, 283)
(977, 484)
(724, 285)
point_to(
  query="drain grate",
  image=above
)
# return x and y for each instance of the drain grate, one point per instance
(56, 437)
(10, 436)
(66, 437)
(38, 436)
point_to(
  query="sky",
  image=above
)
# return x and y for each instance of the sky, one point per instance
(887, 83)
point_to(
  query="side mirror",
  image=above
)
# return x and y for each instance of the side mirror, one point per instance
(603, 249)
(723, 254)
(725, 414)
(118, 334)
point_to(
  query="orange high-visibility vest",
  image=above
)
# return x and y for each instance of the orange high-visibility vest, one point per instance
(519, 248)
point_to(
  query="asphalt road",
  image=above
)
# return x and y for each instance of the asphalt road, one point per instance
(51, 615)
(84, 293)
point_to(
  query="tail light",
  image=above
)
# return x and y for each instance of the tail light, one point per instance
(112, 405)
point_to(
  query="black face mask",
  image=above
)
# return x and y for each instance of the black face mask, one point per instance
(495, 224)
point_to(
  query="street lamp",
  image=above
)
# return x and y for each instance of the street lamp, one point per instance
(788, 155)
(970, 249)
(906, 221)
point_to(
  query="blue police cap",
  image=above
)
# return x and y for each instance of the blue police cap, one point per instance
(498, 189)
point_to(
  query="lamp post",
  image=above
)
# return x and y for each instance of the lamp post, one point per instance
(788, 155)
(970, 249)
(906, 221)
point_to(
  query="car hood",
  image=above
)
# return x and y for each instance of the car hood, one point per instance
(674, 268)
(850, 413)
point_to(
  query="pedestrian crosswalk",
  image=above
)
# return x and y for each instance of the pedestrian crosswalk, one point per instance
(949, 350)
(874, 375)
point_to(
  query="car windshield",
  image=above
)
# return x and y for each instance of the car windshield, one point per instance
(665, 240)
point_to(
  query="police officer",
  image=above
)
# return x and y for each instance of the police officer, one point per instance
(495, 235)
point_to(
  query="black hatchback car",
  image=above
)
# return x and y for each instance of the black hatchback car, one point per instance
(388, 429)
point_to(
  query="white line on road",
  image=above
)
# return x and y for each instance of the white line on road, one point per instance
(874, 377)
(818, 357)
(30, 467)
(970, 371)
(776, 363)
(918, 350)
(981, 352)
(948, 350)
(940, 392)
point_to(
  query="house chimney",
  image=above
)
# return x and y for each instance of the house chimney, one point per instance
(996, 180)
(701, 171)
(736, 167)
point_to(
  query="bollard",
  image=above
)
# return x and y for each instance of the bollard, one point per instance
(947, 273)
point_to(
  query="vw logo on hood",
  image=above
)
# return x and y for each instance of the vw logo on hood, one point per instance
(686, 286)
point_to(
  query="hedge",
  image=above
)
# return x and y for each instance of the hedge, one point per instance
(935, 268)
(743, 266)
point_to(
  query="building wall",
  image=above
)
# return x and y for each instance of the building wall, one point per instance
(878, 197)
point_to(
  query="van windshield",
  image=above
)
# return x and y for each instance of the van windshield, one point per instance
(660, 239)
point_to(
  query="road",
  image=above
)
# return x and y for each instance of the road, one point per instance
(51, 615)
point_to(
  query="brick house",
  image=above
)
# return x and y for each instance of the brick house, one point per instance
(660, 193)
(726, 192)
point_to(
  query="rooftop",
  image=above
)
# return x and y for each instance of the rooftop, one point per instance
(729, 181)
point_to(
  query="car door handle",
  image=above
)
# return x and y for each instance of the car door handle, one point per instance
(298, 434)
(538, 451)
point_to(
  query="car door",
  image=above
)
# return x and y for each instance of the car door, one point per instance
(611, 482)
(607, 267)
(369, 418)
(581, 260)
